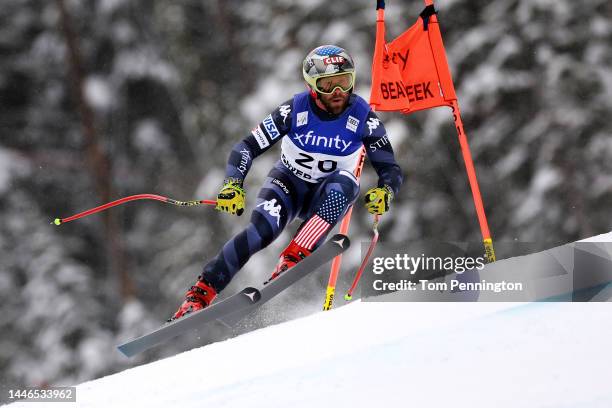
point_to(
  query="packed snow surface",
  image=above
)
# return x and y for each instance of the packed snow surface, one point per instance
(388, 355)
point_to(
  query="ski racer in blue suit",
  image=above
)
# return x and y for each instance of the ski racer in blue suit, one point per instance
(322, 132)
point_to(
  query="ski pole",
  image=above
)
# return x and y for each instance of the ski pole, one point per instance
(59, 221)
(349, 294)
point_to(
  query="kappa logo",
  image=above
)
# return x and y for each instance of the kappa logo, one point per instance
(271, 128)
(372, 124)
(302, 118)
(272, 209)
(284, 110)
(352, 123)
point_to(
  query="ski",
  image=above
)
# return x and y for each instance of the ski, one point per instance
(237, 306)
(329, 250)
(240, 300)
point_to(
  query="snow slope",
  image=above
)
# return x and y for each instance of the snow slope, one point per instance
(374, 354)
(388, 355)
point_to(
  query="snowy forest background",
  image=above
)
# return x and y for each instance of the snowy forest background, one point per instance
(119, 97)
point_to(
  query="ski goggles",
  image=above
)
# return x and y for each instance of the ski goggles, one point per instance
(328, 84)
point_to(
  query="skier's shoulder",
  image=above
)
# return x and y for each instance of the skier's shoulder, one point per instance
(279, 121)
(358, 106)
(374, 126)
(300, 100)
(284, 109)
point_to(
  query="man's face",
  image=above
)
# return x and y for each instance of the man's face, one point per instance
(338, 87)
(336, 102)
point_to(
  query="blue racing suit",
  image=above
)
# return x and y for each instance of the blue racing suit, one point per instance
(314, 175)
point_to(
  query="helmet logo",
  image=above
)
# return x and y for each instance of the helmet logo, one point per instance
(334, 60)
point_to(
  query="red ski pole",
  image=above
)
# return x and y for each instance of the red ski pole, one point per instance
(349, 294)
(123, 200)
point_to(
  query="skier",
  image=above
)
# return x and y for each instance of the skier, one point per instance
(322, 132)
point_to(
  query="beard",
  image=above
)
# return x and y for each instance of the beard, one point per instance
(335, 106)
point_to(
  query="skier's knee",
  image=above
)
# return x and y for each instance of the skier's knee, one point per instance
(348, 174)
(347, 183)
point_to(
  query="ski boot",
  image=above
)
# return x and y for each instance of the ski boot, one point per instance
(290, 256)
(197, 297)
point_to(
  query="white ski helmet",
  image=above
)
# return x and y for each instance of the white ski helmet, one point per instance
(328, 61)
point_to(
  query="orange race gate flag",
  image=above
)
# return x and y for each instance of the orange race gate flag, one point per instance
(410, 74)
